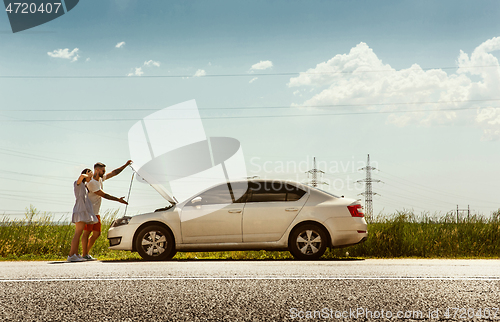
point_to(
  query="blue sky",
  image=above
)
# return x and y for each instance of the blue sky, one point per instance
(373, 61)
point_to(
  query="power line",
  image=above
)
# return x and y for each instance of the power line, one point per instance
(256, 107)
(234, 75)
(30, 199)
(34, 182)
(427, 198)
(87, 133)
(427, 201)
(433, 190)
(248, 116)
(396, 203)
(35, 156)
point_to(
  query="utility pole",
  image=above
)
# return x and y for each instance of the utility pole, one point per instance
(314, 175)
(368, 188)
(461, 211)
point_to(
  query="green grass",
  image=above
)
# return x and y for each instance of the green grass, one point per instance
(37, 237)
(406, 235)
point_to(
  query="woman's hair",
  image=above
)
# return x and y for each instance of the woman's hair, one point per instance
(85, 171)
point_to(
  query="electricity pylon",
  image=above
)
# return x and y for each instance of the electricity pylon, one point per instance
(368, 188)
(314, 175)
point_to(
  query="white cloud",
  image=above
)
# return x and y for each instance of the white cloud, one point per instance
(65, 53)
(120, 44)
(199, 73)
(150, 63)
(138, 72)
(362, 80)
(489, 119)
(253, 80)
(263, 64)
(489, 115)
(87, 60)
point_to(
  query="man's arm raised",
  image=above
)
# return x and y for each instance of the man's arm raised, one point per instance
(110, 197)
(117, 170)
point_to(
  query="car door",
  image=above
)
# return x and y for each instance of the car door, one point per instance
(214, 216)
(270, 209)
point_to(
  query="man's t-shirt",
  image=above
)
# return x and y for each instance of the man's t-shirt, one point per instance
(94, 186)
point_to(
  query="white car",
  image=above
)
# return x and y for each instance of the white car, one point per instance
(245, 215)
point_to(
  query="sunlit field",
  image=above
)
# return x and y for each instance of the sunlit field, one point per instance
(38, 236)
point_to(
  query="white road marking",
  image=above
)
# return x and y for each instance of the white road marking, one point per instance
(196, 278)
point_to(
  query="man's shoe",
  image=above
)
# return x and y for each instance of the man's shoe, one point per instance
(88, 258)
(75, 258)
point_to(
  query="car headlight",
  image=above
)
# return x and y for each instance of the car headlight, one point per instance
(121, 221)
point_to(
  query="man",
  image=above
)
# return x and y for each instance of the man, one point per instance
(95, 196)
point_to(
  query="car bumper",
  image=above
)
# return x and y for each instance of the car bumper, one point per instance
(347, 245)
(347, 231)
(122, 237)
(348, 238)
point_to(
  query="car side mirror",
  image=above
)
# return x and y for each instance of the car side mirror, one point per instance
(196, 200)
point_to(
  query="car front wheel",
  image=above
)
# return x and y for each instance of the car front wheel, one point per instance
(308, 242)
(155, 243)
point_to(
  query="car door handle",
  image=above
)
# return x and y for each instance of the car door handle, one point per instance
(291, 209)
(234, 211)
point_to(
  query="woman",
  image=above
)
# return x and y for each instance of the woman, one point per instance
(82, 213)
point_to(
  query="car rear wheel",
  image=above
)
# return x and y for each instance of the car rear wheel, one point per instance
(308, 242)
(155, 243)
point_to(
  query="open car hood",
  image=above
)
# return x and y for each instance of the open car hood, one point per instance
(156, 185)
(171, 149)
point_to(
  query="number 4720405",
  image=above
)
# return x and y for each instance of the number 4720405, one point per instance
(24, 7)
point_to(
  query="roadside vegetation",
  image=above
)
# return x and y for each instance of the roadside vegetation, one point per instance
(39, 237)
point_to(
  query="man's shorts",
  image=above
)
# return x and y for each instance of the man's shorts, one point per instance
(94, 227)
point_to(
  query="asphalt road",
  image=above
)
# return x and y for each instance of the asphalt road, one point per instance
(200, 290)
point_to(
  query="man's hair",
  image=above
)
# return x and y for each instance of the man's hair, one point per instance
(86, 170)
(99, 165)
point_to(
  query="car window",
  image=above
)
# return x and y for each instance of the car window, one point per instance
(274, 191)
(294, 193)
(217, 195)
(239, 190)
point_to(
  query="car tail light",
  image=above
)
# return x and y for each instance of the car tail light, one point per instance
(356, 210)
